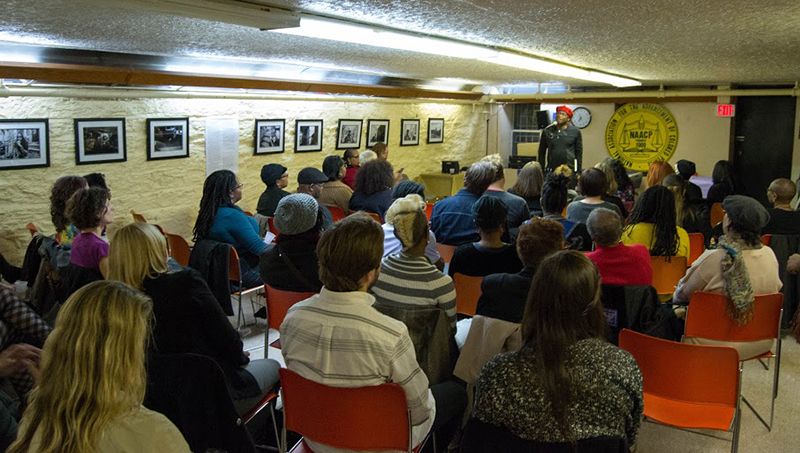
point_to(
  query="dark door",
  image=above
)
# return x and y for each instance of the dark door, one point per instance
(762, 149)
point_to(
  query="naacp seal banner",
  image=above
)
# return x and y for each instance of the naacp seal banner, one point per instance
(641, 133)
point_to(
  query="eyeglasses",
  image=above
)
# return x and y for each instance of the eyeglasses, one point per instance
(241, 184)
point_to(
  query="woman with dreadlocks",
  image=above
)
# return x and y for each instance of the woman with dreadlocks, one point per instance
(221, 220)
(653, 224)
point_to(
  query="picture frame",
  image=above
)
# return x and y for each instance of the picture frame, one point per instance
(308, 136)
(435, 130)
(348, 134)
(270, 136)
(24, 143)
(167, 138)
(377, 131)
(100, 140)
(409, 132)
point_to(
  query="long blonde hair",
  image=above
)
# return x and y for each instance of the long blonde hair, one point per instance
(92, 370)
(138, 250)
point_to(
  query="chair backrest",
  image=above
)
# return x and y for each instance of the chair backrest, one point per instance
(685, 372)
(138, 217)
(234, 272)
(468, 291)
(179, 249)
(367, 418)
(667, 272)
(32, 228)
(375, 217)
(706, 318)
(272, 229)
(279, 302)
(765, 239)
(717, 213)
(429, 210)
(336, 212)
(248, 213)
(697, 244)
(446, 251)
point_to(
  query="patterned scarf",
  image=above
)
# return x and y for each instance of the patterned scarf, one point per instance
(736, 279)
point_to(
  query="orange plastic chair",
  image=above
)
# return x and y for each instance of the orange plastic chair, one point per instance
(138, 217)
(697, 244)
(248, 213)
(357, 418)
(446, 251)
(766, 239)
(271, 223)
(688, 385)
(429, 210)
(706, 318)
(375, 217)
(336, 212)
(235, 275)
(468, 291)
(32, 229)
(268, 400)
(667, 272)
(179, 249)
(717, 213)
(278, 303)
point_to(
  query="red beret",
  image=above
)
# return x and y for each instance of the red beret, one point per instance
(565, 109)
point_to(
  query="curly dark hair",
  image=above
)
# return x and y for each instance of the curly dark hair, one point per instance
(216, 193)
(620, 173)
(85, 208)
(657, 206)
(537, 239)
(331, 167)
(63, 188)
(374, 176)
(554, 193)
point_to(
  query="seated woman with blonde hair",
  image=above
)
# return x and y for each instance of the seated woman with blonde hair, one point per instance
(92, 380)
(188, 319)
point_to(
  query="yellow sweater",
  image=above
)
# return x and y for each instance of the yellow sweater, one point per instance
(642, 233)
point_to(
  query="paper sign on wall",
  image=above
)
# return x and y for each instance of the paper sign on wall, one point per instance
(222, 144)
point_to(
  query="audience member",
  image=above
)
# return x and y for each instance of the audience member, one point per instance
(657, 172)
(723, 180)
(692, 214)
(291, 263)
(61, 192)
(610, 191)
(276, 179)
(529, 186)
(566, 383)
(408, 279)
(687, 169)
(391, 243)
(14, 360)
(592, 186)
(90, 211)
(380, 348)
(22, 327)
(503, 295)
(187, 317)
(452, 219)
(334, 191)
(381, 150)
(554, 200)
(517, 207)
(310, 181)
(740, 268)
(98, 180)
(782, 218)
(653, 224)
(619, 264)
(490, 255)
(351, 159)
(625, 189)
(373, 191)
(567, 172)
(221, 220)
(93, 380)
(366, 156)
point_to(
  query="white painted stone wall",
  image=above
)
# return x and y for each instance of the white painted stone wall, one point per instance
(167, 192)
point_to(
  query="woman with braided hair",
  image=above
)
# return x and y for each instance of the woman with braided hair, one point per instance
(653, 224)
(408, 279)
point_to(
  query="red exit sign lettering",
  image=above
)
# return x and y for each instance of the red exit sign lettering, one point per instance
(726, 110)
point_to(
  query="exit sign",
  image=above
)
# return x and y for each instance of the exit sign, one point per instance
(726, 110)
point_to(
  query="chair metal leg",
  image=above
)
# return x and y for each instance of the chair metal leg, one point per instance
(736, 426)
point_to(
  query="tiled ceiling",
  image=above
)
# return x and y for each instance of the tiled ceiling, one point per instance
(674, 42)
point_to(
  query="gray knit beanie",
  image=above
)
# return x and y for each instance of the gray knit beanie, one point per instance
(296, 213)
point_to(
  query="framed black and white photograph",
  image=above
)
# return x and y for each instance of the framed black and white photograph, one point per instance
(24, 144)
(349, 135)
(167, 138)
(377, 131)
(308, 136)
(435, 130)
(269, 136)
(99, 140)
(409, 132)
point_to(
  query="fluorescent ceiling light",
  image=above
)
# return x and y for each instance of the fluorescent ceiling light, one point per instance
(227, 11)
